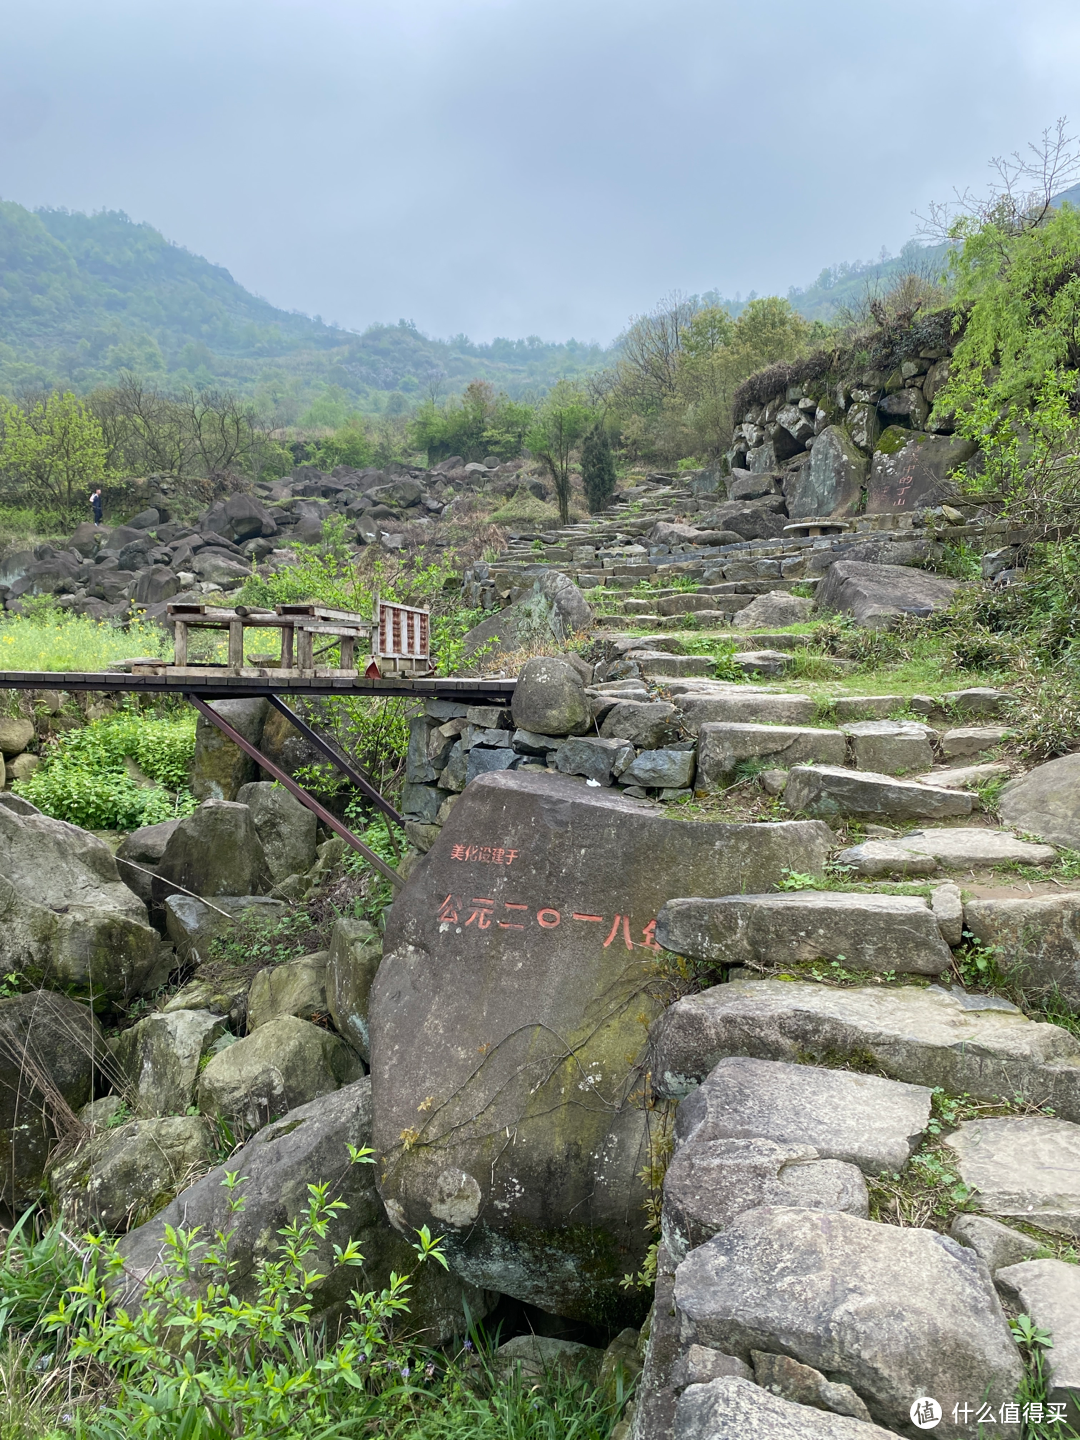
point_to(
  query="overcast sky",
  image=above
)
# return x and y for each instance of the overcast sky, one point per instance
(514, 167)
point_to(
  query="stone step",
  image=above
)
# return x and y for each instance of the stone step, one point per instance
(825, 791)
(979, 1045)
(743, 705)
(925, 851)
(885, 933)
(723, 747)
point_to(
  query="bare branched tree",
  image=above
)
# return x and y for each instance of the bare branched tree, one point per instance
(1020, 196)
(650, 350)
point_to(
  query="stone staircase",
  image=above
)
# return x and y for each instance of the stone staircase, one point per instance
(611, 551)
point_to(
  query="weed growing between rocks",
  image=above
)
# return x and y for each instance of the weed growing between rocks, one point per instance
(194, 1361)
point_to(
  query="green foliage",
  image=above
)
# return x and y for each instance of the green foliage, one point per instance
(82, 778)
(560, 424)
(52, 640)
(479, 423)
(52, 453)
(1015, 369)
(597, 469)
(214, 1366)
(350, 444)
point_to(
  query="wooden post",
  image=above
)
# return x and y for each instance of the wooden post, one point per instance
(305, 659)
(180, 637)
(287, 647)
(348, 646)
(236, 646)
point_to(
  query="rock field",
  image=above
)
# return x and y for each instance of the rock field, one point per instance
(593, 1038)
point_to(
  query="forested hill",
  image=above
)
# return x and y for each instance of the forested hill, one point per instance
(83, 297)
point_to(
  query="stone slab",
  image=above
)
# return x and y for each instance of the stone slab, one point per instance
(865, 932)
(871, 1122)
(1049, 1291)
(744, 705)
(828, 790)
(739, 1409)
(1038, 933)
(723, 747)
(972, 740)
(962, 848)
(973, 1044)
(1022, 1167)
(999, 1245)
(710, 1183)
(884, 1309)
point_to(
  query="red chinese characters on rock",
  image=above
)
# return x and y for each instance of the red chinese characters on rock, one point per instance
(485, 854)
(481, 912)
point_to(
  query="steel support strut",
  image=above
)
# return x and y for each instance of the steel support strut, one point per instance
(331, 821)
(341, 761)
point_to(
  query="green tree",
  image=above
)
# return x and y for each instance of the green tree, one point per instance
(350, 444)
(560, 424)
(52, 452)
(597, 468)
(1014, 382)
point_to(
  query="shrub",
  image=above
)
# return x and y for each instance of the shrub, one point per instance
(82, 778)
(51, 640)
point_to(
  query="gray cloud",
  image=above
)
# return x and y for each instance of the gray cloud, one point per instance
(513, 167)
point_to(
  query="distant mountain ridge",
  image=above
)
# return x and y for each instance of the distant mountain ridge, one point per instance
(83, 297)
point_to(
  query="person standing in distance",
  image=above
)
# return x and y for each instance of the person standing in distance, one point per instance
(95, 505)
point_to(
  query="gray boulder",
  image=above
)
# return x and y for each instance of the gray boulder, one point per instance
(868, 1121)
(660, 769)
(307, 1146)
(192, 926)
(877, 595)
(806, 1386)
(912, 470)
(865, 932)
(143, 848)
(773, 610)
(354, 957)
(218, 767)
(160, 1055)
(541, 1032)
(296, 987)
(284, 1063)
(214, 851)
(68, 920)
(1046, 802)
(555, 609)
(999, 1245)
(732, 1406)
(831, 483)
(1049, 1291)
(49, 1047)
(646, 724)
(537, 1357)
(15, 735)
(286, 828)
(877, 1307)
(122, 1177)
(549, 698)
(978, 1045)
(710, 1183)
(594, 757)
